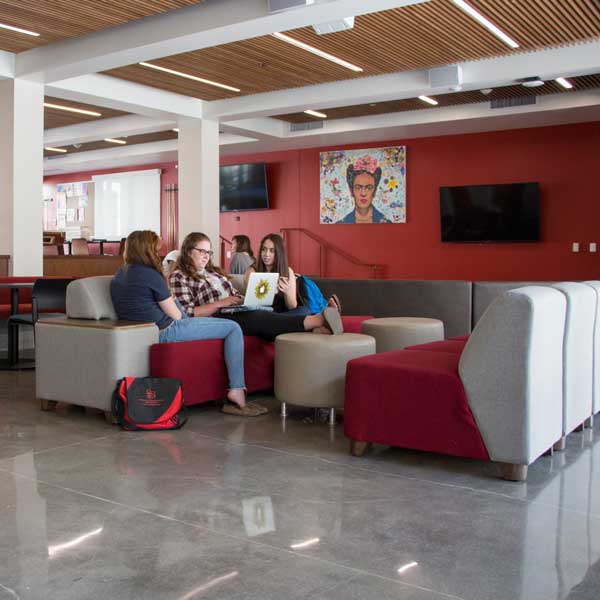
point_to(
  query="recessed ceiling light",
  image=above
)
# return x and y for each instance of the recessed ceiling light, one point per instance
(314, 113)
(486, 23)
(428, 100)
(313, 50)
(81, 111)
(564, 82)
(114, 141)
(19, 30)
(175, 129)
(192, 77)
(486, 91)
(532, 82)
(50, 149)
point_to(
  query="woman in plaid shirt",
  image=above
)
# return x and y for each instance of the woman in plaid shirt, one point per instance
(203, 290)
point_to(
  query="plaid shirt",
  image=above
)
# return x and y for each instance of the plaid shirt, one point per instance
(194, 292)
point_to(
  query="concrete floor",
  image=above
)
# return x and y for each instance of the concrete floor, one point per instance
(249, 509)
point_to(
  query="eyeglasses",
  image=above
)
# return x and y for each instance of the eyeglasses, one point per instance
(266, 250)
(367, 188)
(204, 252)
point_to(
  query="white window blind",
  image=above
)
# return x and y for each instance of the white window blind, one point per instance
(125, 202)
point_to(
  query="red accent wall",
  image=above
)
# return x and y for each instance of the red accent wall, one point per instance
(565, 160)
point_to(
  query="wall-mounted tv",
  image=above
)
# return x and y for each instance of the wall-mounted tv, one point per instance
(490, 213)
(243, 187)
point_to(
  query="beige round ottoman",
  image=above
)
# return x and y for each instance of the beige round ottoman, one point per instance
(395, 333)
(310, 369)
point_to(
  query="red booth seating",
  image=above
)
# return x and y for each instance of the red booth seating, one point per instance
(454, 345)
(201, 367)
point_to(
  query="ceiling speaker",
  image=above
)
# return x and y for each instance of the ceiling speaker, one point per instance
(333, 26)
(446, 77)
(278, 5)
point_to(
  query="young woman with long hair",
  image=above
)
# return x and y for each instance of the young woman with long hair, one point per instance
(140, 293)
(243, 257)
(202, 289)
(272, 258)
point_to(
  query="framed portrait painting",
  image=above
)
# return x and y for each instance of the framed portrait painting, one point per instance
(363, 186)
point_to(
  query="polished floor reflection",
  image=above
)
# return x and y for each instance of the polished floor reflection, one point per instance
(250, 509)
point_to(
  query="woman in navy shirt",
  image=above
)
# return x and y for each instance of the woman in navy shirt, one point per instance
(140, 293)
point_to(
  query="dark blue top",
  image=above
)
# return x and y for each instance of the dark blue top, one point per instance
(378, 217)
(136, 292)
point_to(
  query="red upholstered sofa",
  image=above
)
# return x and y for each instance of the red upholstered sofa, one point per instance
(201, 368)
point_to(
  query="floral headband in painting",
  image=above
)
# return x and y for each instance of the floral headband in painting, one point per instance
(364, 164)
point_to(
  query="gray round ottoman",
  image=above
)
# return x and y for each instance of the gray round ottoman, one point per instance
(310, 369)
(395, 333)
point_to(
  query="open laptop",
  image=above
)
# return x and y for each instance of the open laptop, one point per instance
(260, 293)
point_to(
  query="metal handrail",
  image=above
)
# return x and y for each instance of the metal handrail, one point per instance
(223, 241)
(325, 245)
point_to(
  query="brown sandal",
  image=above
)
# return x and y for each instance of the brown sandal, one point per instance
(333, 320)
(251, 409)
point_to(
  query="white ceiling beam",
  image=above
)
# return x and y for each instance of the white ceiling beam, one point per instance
(321, 96)
(211, 23)
(7, 65)
(103, 128)
(259, 128)
(440, 115)
(580, 59)
(119, 94)
(559, 109)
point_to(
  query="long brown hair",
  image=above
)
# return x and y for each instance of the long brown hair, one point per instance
(185, 263)
(242, 244)
(281, 265)
(141, 248)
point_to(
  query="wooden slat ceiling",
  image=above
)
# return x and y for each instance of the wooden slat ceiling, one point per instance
(61, 19)
(54, 117)
(159, 136)
(587, 82)
(421, 36)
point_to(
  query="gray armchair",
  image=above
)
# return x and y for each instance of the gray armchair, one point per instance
(79, 358)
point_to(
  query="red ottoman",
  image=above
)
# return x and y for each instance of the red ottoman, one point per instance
(412, 399)
(201, 367)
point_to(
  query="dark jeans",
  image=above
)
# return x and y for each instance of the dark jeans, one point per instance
(267, 325)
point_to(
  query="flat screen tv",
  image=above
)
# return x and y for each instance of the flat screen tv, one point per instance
(490, 213)
(243, 187)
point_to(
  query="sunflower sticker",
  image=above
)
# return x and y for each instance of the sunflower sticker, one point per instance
(262, 289)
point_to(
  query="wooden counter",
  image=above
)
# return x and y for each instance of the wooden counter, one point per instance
(82, 266)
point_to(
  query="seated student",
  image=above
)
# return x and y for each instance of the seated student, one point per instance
(243, 257)
(140, 292)
(273, 258)
(202, 289)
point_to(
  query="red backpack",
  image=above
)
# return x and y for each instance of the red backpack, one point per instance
(144, 403)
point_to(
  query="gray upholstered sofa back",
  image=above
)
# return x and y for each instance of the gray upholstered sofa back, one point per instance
(485, 292)
(90, 298)
(449, 301)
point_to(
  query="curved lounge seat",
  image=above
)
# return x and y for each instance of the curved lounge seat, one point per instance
(500, 400)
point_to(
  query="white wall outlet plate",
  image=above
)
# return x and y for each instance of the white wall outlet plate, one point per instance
(228, 253)
(592, 246)
(575, 246)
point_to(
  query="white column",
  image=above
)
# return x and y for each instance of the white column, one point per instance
(198, 153)
(21, 174)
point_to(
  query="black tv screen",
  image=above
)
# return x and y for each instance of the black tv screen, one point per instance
(243, 187)
(490, 213)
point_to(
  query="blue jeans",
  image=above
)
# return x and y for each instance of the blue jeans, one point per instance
(210, 328)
